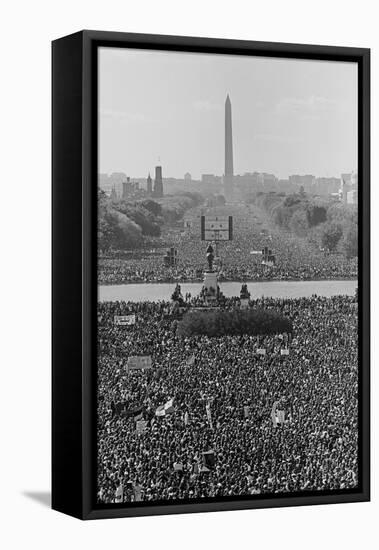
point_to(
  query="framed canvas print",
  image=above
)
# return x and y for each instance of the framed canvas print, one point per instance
(210, 274)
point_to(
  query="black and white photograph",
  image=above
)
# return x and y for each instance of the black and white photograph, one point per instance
(227, 272)
(188, 319)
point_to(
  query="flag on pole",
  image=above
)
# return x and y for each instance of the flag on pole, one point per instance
(167, 408)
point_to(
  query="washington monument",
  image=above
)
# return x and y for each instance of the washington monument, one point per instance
(228, 174)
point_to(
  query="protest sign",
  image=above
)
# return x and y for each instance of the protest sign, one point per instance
(125, 320)
(165, 409)
(136, 362)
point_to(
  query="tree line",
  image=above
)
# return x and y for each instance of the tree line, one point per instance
(123, 224)
(331, 225)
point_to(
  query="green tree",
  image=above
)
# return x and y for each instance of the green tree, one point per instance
(142, 217)
(235, 322)
(331, 235)
(350, 241)
(153, 207)
(115, 230)
(316, 214)
(299, 223)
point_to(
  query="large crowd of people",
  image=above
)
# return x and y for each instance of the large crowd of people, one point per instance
(295, 258)
(202, 421)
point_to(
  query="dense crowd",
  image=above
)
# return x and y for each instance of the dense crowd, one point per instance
(223, 393)
(296, 258)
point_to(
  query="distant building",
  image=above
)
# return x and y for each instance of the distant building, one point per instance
(345, 187)
(116, 179)
(269, 181)
(149, 188)
(284, 186)
(349, 188)
(103, 181)
(114, 196)
(210, 179)
(129, 188)
(119, 186)
(306, 181)
(126, 188)
(325, 186)
(107, 182)
(158, 182)
(187, 177)
(251, 182)
(310, 184)
(352, 197)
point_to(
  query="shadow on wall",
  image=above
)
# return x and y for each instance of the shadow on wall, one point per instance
(41, 497)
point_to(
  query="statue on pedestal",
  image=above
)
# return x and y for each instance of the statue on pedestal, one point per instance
(244, 297)
(177, 295)
(244, 293)
(210, 257)
(210, 288)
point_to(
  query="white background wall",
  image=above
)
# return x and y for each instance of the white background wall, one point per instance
(26, 31)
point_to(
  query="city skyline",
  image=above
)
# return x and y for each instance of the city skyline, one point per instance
(289, 116)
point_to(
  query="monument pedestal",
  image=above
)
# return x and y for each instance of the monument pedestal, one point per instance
(244, 303)
(210, 285)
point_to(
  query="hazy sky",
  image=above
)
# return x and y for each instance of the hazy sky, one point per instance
(289, 116)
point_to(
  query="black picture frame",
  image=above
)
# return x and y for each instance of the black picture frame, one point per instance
(74, 294)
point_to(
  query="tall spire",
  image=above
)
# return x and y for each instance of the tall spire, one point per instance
(158, 182)
(149, 185)
(228, 138)
(229, 172)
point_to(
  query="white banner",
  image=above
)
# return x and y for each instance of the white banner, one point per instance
(136, 362)
(165, 409)
(209, 414)
(125, 320)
